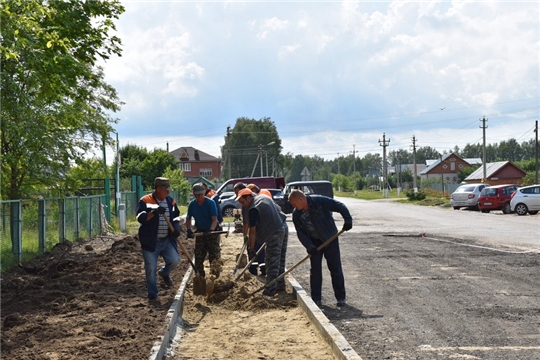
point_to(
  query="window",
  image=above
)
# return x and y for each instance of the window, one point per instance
(185, 167)
(206, 172)
(453, 166)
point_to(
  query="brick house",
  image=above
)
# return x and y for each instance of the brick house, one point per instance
(195, 163)
(444, 169)
(498, 173)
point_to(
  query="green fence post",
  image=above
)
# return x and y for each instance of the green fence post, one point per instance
(16, 229)
(90, 203)
(108, 198)
(77, 219)
(61, 220)
(42, 226)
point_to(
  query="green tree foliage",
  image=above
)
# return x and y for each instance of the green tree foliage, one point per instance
(78, 176)
(466, 171)
(178, 183)
(248, 141)
(55, 102)
(137, 160)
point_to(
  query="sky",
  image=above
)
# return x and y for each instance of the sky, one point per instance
(334, 76)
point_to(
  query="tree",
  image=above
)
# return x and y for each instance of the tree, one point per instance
(248, 142)
(148, 164)
(55, 102)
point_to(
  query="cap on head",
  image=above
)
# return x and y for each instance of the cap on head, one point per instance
(163, 183)
(198, 189)
(253, 188)
(244, 192)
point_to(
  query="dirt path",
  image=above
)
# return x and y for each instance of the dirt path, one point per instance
(87, 300)
(233, 325)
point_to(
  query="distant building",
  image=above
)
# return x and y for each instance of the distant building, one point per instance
(445, 170)
(498, 173)
(196, 163)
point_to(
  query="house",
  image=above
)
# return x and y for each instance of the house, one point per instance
(196, 163)
(498, 173)
(445, 170)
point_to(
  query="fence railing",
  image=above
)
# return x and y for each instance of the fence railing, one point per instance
(31, 227)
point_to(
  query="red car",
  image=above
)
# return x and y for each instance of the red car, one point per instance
(496, 198)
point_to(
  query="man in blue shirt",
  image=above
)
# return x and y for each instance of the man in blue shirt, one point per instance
(204, 211)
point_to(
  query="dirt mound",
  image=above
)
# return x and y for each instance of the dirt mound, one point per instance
(83, 300)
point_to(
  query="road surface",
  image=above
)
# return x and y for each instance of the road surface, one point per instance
(469, 288)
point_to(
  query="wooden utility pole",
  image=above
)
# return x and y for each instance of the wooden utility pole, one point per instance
(354, 167)
(536, 150)
(229, 151)
(384, 143)
(484, 127)
(415, 187)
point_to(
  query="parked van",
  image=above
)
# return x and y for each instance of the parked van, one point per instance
(308, 187)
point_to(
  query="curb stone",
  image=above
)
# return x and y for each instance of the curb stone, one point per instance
(340, 347)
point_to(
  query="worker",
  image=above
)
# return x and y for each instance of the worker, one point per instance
(312, 218)
(267, 225)
(208, 192)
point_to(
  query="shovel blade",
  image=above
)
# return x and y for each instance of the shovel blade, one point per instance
(199, 286)
(243, 260)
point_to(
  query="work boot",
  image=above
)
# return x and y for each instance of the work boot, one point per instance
(166, 278)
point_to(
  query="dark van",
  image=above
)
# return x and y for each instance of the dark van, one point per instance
(308, 187)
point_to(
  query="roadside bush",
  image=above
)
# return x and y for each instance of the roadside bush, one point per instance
(413, 196)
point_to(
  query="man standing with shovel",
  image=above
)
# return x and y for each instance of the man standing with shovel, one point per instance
(267, 225)
(312, 218)
(204, 211)
(155, 236)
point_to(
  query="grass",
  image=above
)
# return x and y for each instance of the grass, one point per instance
(433, 198)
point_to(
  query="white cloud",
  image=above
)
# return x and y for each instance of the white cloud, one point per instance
(337, 73)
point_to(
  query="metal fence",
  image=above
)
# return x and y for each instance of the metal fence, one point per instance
(33, 226)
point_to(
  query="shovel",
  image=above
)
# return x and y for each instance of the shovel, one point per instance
(249, 263)
(297, 264)
(241, 259)
(199, 283)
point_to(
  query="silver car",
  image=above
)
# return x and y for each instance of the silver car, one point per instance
(526, 200)
(467, 196)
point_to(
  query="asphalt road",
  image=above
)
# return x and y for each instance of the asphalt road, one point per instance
(435, 283)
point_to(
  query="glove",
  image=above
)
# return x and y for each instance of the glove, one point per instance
(347, 226)
(313, 251)
(219, 228)
(246, 239)
(160, 210)
(190, 234)
(176, 233)
(251, 254)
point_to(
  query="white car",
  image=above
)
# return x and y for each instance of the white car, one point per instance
(526, 200)
(467, 196)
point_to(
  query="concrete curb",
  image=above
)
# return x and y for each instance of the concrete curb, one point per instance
(340, 347)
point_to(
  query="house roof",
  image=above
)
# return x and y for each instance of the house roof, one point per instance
(188, 153)
(432, 163)
(200, 179)
(491, 170)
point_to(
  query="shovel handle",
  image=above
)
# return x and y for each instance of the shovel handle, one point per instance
(240, 257)
(250, 262)
(182, 247)
(298, 263)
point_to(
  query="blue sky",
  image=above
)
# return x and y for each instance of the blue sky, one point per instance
(329, 74)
